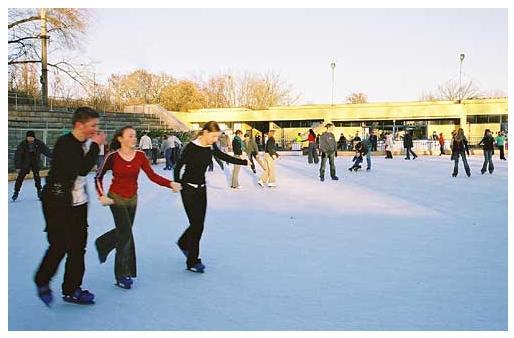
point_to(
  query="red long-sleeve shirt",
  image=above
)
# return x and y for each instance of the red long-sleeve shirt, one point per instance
(125, 174)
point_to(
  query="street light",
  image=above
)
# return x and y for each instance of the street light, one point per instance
(461, 57)
(333, 66)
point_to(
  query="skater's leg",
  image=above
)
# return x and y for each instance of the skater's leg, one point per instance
(105, 244)
(407, 153)
(323, 165)
(310, 153)
(76, 239)
(235, 174)
(219, 162)
(466, 165)
(266, 169)
(502, 152)
(456, 164)
(123, 212)
(368, 160)
(332, 164)
(195, 204)
(37, 179)
(56, 236)
(271, 165)
(486, 162)
(315, 153)
(19, 179)
(491, 165)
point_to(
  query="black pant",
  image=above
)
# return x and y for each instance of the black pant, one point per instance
(211, 165)
(24, 172)
(154, 155)
(442, 149)
(409, 151)
(502, 152)
(374, 147)
(121, 238)
(252, 163)
(389, 154)
(67, 235)
(195, 204)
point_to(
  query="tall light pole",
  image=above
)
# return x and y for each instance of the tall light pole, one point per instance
(461, 57)
(333, 66)
(44, 61)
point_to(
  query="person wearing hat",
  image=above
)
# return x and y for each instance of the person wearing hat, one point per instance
(28, 157)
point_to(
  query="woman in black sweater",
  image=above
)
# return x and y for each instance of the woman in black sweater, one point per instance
(196, 157)
(488, 146)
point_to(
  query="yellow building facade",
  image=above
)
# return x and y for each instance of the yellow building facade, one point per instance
(422, 118)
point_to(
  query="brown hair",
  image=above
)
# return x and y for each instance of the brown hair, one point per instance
(115, 144)
(211, 126)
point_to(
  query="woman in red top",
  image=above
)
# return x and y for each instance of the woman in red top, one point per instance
(125, 162)
(312, 151)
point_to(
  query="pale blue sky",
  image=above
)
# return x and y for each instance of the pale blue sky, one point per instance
(389, 54)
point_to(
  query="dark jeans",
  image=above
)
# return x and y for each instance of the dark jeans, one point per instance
(121, 238)
(24, 172)
(313, 153)
(155, 153)
(330, 157)
(195, 204)
(409, 151)
(252, 163)
(357, 162)
(374, 147)
(67, 235)
(442, 149)
(488, 159)
(211, 165)
(455, 158)
(167, 155)
(502, 152)
(389, 154)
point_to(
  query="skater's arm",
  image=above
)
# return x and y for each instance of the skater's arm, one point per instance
(151, 174)
(227, 158)
(45, 150)
(183, 158)
(88, 161)
(17, 156)
(106, 165)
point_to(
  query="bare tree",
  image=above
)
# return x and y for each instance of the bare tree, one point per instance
(65, 30)
(355, 98)
(451, 91)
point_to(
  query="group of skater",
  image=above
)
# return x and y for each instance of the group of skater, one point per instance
(65, 200)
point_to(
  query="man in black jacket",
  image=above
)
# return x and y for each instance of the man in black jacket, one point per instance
(407, 144)
(27, 158)
(65, 201)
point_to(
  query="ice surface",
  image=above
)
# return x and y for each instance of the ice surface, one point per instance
(403, 247)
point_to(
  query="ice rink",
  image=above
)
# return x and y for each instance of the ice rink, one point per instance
(402, 247)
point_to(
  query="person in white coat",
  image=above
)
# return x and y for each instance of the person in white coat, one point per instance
(389, 145)
(145, 144)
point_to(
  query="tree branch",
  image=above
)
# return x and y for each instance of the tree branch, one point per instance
(19, 22)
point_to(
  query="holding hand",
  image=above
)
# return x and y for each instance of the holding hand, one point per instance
(105, 201)
(176, 187)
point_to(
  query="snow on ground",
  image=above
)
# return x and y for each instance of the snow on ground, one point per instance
(403, 247)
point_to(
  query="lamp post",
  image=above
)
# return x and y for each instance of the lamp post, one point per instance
(461, 57)
(333, 66)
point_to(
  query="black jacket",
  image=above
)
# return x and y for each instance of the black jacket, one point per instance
(24, 159)
(69, 161)
(460, 146)
(488, 143)
(407, 141)
(270, 147)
